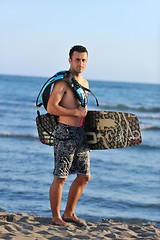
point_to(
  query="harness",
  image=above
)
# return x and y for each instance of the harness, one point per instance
(78, 89)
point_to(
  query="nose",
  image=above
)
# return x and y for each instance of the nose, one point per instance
(81, 63)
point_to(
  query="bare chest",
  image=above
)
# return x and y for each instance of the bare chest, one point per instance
(69, 99)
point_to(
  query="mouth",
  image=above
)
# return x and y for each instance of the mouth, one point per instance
(79, 69)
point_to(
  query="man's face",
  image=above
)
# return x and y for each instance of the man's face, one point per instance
(78, 62)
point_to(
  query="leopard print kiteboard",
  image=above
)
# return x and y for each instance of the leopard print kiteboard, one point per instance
(109, 130)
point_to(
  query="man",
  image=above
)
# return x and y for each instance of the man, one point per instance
(71, 152)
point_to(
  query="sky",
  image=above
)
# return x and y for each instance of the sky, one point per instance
(122, 38)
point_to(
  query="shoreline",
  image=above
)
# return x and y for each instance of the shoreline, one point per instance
(22, 226)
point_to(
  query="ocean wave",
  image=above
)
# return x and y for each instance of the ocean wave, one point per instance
(19, 135)
(149, 127)
(149, 147)
(125, 107)
(2, 210)
(150, 116)
(17, 103)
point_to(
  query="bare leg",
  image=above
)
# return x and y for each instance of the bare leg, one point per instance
(75, 193)
(55, 200)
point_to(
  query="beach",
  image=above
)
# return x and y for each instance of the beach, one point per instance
(26, 226)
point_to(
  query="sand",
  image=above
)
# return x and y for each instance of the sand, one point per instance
(23, 226)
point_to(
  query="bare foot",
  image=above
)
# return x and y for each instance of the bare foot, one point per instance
(59, 222)
(72, 218)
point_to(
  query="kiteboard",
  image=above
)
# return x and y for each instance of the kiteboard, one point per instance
(110, 130)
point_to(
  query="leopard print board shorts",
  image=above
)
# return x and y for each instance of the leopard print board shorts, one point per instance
(71, 152)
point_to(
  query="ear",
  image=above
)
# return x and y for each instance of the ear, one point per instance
(69, 60)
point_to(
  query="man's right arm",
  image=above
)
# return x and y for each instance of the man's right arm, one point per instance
(54, 107)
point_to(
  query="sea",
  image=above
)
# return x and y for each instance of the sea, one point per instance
(125, 183)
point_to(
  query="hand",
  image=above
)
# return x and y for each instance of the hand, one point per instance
(81, 112)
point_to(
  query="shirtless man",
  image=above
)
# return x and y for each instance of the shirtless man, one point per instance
(71, 152)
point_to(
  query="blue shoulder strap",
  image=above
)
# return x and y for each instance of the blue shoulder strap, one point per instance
(44, 93)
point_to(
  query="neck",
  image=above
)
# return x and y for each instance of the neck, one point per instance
(76, 75)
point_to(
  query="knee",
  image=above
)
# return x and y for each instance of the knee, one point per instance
(59, 181)
(87, 178)
(84, 179)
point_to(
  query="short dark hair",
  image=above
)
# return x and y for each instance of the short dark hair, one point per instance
(77, 48)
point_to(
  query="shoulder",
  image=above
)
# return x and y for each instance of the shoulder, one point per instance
(61, 85)
(59, 88)
(84, 82)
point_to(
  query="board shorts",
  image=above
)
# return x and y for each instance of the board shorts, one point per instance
(71, 151)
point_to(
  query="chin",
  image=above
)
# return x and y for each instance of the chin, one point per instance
(79, 70)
